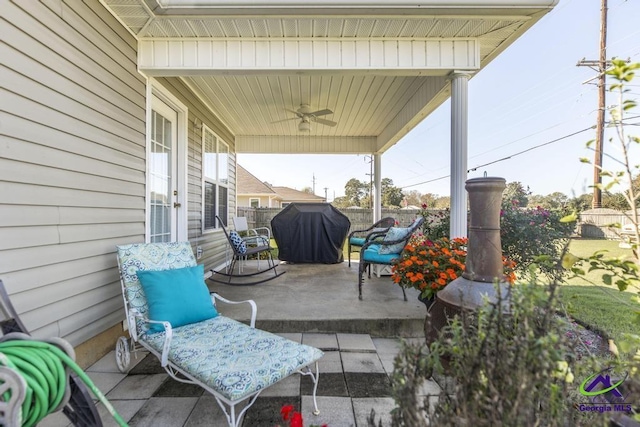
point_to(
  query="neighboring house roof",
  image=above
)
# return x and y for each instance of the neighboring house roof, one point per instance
(289, 194)
(247, 184)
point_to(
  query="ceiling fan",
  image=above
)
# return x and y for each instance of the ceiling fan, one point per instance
(306, 116)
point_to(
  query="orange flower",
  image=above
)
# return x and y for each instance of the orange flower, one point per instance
(430, 265)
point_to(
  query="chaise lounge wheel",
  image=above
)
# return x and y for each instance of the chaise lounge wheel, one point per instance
(123, 354)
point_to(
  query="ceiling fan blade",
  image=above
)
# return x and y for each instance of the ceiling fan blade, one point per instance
(321, 112)
(285, 120)
(297, 113)
(325, 122)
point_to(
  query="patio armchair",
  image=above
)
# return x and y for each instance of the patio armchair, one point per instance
(357, 238)
(383, 248)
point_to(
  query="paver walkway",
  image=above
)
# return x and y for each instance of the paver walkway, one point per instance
(354, 378)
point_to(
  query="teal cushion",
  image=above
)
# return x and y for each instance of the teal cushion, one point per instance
(394, 233)
(373, 256)
(357, 241)
(178, 296)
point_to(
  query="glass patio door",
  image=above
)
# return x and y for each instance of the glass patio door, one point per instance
(162, 169)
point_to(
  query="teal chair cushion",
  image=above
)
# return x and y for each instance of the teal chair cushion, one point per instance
(357, 241)
(178, 296)
(372, 255)
(394, 233)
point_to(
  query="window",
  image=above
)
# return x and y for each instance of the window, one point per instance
(284, 204)
(254, 203)
(215, 171)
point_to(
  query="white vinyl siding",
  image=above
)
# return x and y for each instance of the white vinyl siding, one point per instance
(72, 166)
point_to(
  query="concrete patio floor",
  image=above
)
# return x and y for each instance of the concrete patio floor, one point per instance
(313, 304)
(324, 298)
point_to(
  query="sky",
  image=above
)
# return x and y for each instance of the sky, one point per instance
(531, 95)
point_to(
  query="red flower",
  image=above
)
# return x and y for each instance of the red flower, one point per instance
(296, 420)
(286, 411)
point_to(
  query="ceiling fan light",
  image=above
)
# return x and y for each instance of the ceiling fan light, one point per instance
(304, 126)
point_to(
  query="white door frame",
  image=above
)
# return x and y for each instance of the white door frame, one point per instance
(154, 88)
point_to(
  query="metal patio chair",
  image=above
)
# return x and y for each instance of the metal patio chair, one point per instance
(383, 248)
(357, 238)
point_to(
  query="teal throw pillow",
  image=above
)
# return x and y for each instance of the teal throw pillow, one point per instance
(394, 233)
(178, 296)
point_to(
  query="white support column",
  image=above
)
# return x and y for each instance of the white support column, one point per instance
(459, 113)
(377, 183)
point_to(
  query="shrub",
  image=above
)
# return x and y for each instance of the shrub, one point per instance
(505, 369)
(534, 235)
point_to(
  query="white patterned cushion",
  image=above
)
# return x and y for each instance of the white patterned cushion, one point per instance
(237, 242)
(233, 358)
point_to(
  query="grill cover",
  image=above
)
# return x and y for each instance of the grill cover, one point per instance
(310, 232)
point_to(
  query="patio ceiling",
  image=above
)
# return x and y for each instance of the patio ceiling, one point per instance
(380, 66)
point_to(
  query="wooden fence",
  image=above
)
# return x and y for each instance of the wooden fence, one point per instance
(360, 218)
(594, 223)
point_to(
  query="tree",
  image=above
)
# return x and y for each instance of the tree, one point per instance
(429, 199)
(556, 200)
(443, 202)
(391, 195)
(341, 202)
(580, 203)
(354, 191)
(412, 198)
(307, 190)
(614, 201)
(515, 191)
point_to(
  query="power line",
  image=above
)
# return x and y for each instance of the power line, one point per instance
(506, 158)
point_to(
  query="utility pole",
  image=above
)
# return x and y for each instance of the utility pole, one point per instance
(370, 180)
(325, 194)
(314, 183)
(602, 64)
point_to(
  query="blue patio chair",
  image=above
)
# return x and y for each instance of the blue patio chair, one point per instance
(357, 238)
(385, 250)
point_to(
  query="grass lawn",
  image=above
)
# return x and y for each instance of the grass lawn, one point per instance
(602, 308)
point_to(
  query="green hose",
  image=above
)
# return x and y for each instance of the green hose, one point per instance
(42, 366)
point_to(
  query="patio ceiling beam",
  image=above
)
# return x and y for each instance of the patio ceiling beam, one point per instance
(304, 144)
(204, 56)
